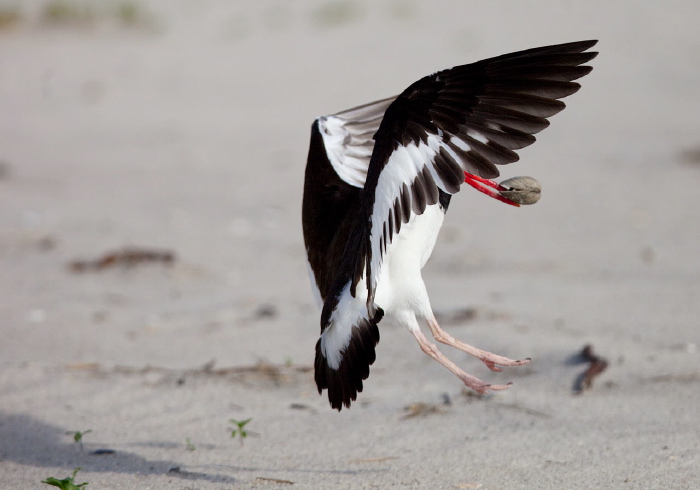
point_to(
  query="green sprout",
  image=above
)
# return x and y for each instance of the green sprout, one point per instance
(78, 437)
(67, 483)
(188, 445)
(239, 429)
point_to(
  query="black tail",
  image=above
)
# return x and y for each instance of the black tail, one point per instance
(345, 382)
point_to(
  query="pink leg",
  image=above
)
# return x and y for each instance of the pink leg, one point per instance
(470, 381)
(492, 361)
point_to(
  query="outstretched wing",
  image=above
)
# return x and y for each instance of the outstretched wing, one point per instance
(468, 118)
(348, 138)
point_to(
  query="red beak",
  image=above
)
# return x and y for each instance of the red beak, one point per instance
(488, 187)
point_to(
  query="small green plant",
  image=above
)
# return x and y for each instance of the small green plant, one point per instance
(67, 483)
(239, 429)
(78, 437)
(188, 445)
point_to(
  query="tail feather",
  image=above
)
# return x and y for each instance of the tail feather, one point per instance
(341, 367)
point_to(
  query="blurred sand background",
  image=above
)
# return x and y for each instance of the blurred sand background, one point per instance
(182, 126)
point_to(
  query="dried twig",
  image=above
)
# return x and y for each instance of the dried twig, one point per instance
(127, 257)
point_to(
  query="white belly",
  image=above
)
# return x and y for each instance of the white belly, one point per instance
(400, 285)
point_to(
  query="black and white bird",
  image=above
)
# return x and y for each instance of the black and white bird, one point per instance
(379, 179)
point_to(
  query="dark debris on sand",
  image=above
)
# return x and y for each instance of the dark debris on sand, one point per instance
(596, 365)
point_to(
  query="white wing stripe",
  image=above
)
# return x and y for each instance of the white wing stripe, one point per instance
(424, 155)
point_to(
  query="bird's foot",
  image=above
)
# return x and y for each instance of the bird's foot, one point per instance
(493, 361)
(469, 380)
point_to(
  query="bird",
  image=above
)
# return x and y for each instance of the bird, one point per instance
(378, 181)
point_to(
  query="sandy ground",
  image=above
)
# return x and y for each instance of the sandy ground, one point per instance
(183, 127)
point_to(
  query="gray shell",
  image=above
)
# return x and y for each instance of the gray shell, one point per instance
(522, 190)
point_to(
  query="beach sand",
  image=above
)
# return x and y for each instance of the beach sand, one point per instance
(182, 128)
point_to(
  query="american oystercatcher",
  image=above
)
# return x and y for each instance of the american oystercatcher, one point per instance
(379, 179)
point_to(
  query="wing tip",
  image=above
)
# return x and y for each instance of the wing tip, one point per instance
(586, 44)
(583, 47)
(574, 46)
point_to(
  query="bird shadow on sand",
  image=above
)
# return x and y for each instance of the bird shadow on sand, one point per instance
(28, 441)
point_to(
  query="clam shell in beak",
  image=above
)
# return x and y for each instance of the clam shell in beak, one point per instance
(521, 190)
